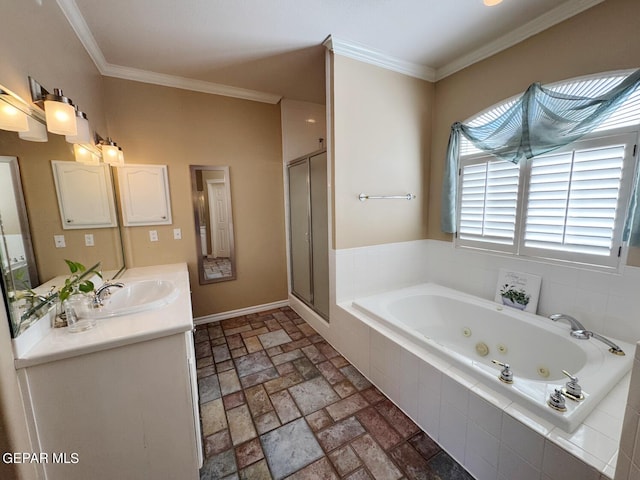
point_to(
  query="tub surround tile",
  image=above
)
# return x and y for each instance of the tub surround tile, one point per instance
(298, 409)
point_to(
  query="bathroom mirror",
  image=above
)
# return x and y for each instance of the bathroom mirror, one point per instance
(211, 193)
(30, 222)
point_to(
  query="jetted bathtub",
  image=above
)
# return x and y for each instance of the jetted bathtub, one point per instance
(470, 332)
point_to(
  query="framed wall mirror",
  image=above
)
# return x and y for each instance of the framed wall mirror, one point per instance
(211, 193)
(30, 219)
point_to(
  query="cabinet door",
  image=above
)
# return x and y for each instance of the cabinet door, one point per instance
(144, 193)
(85, 195)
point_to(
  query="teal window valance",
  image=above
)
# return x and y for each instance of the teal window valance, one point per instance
(540, 121)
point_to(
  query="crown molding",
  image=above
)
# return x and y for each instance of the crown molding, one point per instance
(144, 76)
(374, 57)
(79, 25)
(543, 22)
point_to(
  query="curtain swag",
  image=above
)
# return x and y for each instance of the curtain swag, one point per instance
(540, 121)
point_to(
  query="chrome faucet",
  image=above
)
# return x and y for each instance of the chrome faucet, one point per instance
(578, 331)
(613, 348)
(103, 291)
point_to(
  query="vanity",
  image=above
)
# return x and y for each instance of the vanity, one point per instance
(119, 400)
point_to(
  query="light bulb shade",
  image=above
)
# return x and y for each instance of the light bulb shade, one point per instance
(85, 156)
(111, 154)
(37, 131)
(84, 132)
(120, 156)
(61, 116)
(12, 119)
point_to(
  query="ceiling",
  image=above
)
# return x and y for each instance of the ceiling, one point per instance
(249, 48)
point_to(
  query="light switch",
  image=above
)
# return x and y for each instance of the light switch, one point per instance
(88, 240)
(59, 241)
(153, 235)
(177, 234)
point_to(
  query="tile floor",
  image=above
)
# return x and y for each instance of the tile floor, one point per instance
(277, 401)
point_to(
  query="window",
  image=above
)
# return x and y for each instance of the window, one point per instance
(569, 205)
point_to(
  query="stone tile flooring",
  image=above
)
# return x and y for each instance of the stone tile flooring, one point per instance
(277, 401)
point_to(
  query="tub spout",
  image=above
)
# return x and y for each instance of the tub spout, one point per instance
(577, 329)
(613, 348)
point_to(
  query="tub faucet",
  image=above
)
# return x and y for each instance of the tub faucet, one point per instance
(577, 329)
(103, 291)
(613, 348)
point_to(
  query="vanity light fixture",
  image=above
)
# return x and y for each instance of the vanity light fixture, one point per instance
(59, 110)
(111, 153)
(37, 131)
(84, 155)
(492, 3)
(11, 117)
(84, 132)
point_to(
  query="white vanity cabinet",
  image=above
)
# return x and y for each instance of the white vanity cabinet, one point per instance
(126, 412)
(144, 194)
(119, 401)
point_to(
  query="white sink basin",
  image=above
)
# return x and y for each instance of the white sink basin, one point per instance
(136, 297)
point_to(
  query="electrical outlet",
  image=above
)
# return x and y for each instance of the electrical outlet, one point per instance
(153, 235)
(88, 240)
(59, 241)
(177, 234)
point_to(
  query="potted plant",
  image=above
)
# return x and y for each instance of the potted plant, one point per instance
(78, 282)
(514, 297)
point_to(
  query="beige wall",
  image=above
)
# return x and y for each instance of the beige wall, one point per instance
(600, 39)
(44, 215)
(37, 40)
(178, 128)
(381, 141)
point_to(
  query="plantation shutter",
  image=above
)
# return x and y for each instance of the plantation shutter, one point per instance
(572, 200)
(489, 202)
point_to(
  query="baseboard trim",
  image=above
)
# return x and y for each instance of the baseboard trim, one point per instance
(216, 317)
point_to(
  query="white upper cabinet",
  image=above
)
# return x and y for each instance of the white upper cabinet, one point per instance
(85, 195)
(144, 194)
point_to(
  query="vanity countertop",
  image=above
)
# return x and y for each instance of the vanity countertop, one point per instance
(174, 318)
